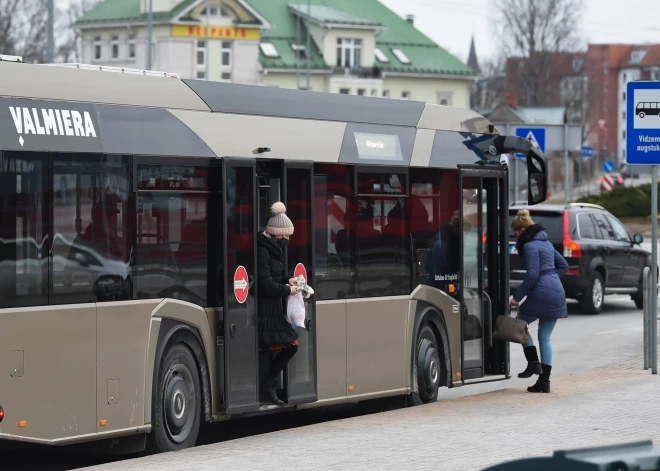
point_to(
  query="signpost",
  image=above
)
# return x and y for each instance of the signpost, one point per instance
(643, 147)
(587, 152)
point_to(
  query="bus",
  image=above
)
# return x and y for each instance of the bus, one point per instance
(645, 108)
(129, 211)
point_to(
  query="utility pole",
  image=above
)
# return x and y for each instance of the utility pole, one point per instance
(150, 20)
(309, 51)
(298, 51)
(208, 56)
(51, 31)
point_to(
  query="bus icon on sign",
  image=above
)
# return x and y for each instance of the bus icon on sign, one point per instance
(647, 108)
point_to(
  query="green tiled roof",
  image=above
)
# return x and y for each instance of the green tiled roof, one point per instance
(325, 14)
(127, 11)
(425, 56)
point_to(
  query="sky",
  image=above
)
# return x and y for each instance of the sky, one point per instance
(451, 23)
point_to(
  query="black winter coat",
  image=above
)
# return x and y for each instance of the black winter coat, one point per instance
(273, 288)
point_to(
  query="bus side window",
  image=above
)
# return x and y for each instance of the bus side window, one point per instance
(432, 212)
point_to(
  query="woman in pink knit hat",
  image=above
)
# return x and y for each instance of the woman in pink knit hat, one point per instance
(275, 333)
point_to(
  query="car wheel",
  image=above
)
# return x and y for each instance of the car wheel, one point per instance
(427, 369)
(177, 402)
(639, 298)
(591, 301)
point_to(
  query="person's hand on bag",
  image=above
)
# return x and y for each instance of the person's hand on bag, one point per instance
(293, 282)
(294, 290)
(513, 303)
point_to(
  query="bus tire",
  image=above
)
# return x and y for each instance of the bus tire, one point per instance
(177, 402)
(427, 368)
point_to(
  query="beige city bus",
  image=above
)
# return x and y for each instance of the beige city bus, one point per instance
(129, 210)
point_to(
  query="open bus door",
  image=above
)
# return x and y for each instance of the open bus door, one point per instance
(240, 288)
(298, 192)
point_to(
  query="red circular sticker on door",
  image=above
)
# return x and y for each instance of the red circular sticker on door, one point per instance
(300, 270)
(241, 284)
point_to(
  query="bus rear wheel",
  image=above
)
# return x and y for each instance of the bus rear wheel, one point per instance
(177, 402)
(427, 369)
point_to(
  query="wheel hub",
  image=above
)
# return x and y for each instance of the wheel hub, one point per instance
(178, 403)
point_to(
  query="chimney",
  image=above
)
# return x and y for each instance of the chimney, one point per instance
(511, 99)
(410, 19)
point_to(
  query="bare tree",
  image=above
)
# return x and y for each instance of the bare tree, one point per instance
(69, 49)
(490, 90)
(535, 30)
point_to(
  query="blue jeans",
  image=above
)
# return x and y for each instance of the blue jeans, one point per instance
(546, 326)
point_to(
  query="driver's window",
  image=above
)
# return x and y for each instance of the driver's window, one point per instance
(620, 232)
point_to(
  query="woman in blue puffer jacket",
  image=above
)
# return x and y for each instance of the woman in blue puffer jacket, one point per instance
(546, 299)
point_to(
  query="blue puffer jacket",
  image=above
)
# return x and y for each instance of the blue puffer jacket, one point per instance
(545, 294)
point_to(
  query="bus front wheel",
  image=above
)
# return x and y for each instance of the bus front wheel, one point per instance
(427, 369)
(177, 402)
(641, 114)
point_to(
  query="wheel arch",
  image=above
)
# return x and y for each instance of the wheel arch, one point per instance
(190, 330)
(428, 314)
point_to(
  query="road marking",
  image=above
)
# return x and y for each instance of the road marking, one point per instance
(607, 332)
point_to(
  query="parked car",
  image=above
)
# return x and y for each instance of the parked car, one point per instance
(602, 256)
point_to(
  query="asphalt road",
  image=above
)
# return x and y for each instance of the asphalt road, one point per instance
(580, 342)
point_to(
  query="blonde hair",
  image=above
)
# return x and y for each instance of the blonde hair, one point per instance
(522, 220)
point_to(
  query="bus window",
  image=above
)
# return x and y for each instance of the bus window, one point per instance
(172, 233)
(335, 231)
(24, 216)
(92, 240)
(382, 251)
(434, 218)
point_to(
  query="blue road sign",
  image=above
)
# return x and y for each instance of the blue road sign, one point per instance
(587, 152)
(608, 166)
(535, 135)
(643, 123)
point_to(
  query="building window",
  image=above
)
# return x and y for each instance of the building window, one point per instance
(624, 78)
(131, 46)
(226, 77)
(624, 96)
(605, 107)
(386, 93)
(216, 11)
(300, 51)
(226, 53)
(401, 56)
(269, 50)
(637, 56)
(624, 133)
(624, 115)
(380, 55)
(114, 46)
(345, 91)
(444, 98)
(605, 68)
(605, 87)
(624, 154)
(374, 92)
(201, 74)
(405, 95)
(201, 53)
(361, 91)
(97, 48)
(349, 52)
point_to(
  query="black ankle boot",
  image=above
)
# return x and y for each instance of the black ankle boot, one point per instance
(269, 392)
(533, 364)
(543, 383)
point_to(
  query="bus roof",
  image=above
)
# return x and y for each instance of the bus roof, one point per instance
(142, 114)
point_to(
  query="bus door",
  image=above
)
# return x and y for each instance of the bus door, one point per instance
(239, 321)
(298, 191)
(482, 292)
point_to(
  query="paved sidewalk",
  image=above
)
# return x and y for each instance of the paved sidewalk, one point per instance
(601, 407)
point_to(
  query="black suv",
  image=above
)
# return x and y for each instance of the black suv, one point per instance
(602, 257)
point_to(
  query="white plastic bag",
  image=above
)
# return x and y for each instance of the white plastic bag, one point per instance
(295, 310)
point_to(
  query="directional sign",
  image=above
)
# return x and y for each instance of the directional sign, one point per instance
(608, 166)
(643, 123)
(587, 152)
(241, 284)
(300, 270)
(534, 135)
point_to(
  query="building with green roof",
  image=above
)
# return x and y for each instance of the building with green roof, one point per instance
(356, 47)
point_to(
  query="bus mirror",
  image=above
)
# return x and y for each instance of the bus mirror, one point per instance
(537, 177)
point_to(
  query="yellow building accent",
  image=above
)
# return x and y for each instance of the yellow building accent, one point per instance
(215, 32)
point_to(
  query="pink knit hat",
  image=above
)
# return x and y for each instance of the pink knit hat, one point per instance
(279, 224)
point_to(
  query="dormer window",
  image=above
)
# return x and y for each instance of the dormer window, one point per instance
(349, 53)
(637, 56)
(401, 56)
(216, 11)
(380, 55)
